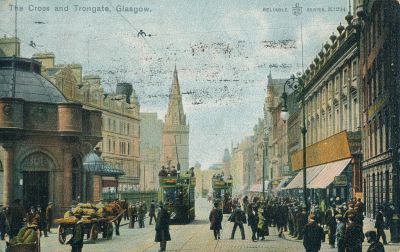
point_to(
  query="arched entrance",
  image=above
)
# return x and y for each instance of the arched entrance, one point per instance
(35, 169)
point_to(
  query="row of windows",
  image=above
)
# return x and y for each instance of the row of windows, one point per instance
(124, 147)
(376, 26)
(377, 135)
(375, 82)
(120, 126)
(341, 82)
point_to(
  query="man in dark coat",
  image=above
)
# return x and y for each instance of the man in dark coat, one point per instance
(162, 227)
(42, 221)
(380, 226)
(376, 246)
(76, 241)
(313, 235)
(3, 223)
(252, 215)
(354, 236)
(49, 216)
(215, 218)
(330, 221)
(15, 216)
(152, 212)
(238, 217)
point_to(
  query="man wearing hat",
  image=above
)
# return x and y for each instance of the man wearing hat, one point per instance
(76, 241)
(3, 223)
(340, 233)
(380, 225)
(376, 246)
(238, 217)
(15, 216)
(313, 235)
(162, 227)
(49, 216)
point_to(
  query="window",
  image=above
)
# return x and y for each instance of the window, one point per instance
(345, 77)
(355, 69)
(127, 129)
(109, 145)
(380, 134)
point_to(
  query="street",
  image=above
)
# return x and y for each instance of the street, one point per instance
(193, 237)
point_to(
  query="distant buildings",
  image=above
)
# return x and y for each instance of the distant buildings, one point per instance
(150, 149)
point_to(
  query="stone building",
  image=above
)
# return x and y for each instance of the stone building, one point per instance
(44, 139)
(378, 23)
(332, 114)
(150, 149)
(243, 166)
(176, 130)
(259, 151)
(120, 118)
(277, 133)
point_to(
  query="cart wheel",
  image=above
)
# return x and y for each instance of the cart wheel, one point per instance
(61, 234)
(109, 230)
(94, 233)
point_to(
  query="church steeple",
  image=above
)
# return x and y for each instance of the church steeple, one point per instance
(176, 130)
(175, 114)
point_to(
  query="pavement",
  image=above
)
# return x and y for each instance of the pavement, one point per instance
(196, 236)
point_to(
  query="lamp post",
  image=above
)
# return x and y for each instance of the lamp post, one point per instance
(296, 83)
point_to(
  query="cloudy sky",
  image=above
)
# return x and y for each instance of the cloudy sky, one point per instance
(223, 51)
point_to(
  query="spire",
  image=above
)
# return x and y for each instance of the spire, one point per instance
(175, 114)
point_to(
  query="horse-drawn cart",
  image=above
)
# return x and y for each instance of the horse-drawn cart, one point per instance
(92, 226)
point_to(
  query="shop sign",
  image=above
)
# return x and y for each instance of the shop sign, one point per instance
(340, 180)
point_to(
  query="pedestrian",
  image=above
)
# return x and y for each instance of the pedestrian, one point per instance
(313, 235)
(132, 215)
(262, 225)
(389, 212)
(252, 216)
(215, 218)
(162, 227)
(15, 215)
(376, 245)
(141, 215)
(238, 217)
(340, 233)
(33, 217)
(152, 211)
(3, 223)
(354, 236)
(125, 205)
(330, 221)
(76, 241)
(42, 221)
(49, 216)
(380, 225)
(279, 219)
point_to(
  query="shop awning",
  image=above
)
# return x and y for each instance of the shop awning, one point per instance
(326, 176)
(94, 164)
(312, 172)
(320, 176)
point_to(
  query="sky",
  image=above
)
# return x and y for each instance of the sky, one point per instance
(223, 51)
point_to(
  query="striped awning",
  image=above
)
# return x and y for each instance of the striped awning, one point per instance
(320, 176)
(327, 175)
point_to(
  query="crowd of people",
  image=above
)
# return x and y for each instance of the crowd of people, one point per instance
(14, 217)
(137, 213)
(338, 224)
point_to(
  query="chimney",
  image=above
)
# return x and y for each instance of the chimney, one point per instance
(47, 59)
(125, 89)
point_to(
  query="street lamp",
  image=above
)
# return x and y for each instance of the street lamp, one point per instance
(296, 83)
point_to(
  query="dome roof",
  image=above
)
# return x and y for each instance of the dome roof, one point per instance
(30, 85)
(94, 164)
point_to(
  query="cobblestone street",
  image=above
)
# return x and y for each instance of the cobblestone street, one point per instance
(192, 237)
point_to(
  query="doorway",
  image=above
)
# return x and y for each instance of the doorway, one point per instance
(36, 188)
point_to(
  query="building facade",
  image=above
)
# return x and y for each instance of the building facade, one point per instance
(150, 149)
(277, 133)
(378, 23)
(176, 130)
(120, 118)
(44, 139)
(332, 112)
